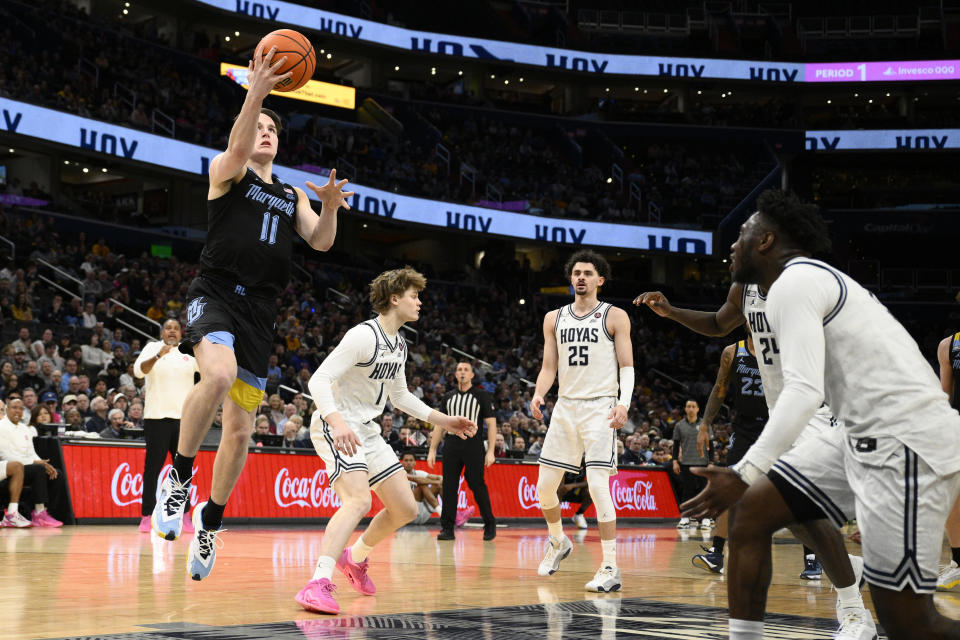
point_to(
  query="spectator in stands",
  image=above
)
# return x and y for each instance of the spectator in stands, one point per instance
(274, 412)
(519, 444)
(31, 377)
(390, 435)
(23, 342)
(291, 434)
(16, 444)
(135, 415)
(56, 314)
(29, 397)
(88, 317)
(98, 421)
(49, 400)
(74, 420)
(69, 371)
(499, 447)
(50, 355)
(635, 452)
(94, 357)
(41, 416)
(116, 423)
(260, 428)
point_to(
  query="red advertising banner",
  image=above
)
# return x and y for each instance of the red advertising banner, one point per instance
(107, 482)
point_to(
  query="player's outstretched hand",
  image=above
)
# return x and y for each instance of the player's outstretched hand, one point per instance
(431, 458)
(262, 74)
(344, 440)
(332, 194)
(460, 426)
(617, 416)
(535, 407)
(724, 488)
(656, 301)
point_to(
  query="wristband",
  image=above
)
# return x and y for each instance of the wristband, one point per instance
(626, 387)
(747, 472)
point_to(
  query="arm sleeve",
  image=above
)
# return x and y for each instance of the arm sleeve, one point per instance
(676, 445)
(357, 346)
(798, 302)
(402, 399)
(150, 350)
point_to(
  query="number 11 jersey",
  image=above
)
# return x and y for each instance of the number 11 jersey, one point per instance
(587, 365)
(250, 233)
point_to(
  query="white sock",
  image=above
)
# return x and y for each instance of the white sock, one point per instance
(13, 507)
(850, 597)
(555, 529)
(437, 509)
(609, 552)
(39, 507)
(324, 568)
(746, 629)
(360, 550)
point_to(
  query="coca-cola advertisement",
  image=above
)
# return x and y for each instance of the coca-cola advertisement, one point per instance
(107, 482)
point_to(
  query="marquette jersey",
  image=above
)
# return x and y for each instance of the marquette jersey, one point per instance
(748, 400)
(362, 391)
(874, 377)
(250, 232)
(768, 354)
(955, 365)
(587, 365)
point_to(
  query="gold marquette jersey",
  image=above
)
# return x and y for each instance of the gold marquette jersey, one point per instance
(587, 366)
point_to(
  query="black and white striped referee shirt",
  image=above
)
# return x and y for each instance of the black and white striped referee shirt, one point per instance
(474, 404)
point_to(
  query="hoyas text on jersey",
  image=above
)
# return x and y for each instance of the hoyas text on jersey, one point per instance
(385, 370)
(578, 334)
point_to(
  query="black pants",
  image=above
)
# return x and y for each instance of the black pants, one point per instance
(690, 484)
(162, 436)
(455, 460)
(35, 477)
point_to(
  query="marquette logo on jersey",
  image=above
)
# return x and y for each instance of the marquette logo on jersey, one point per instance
(385, 370)
(578, 334)
(257, 194)
(744, 370)
(195, 310)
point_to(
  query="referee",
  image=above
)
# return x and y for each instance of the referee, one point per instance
(169, 377)
(472, 403)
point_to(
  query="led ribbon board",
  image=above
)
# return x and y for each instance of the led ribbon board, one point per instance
(130, 144)
(288, 13)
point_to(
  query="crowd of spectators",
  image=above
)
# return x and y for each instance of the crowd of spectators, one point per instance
(71, 358)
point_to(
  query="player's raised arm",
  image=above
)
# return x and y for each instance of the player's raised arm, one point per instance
(717, 394)
(708, 323)
(356, 347)
(261, 78)
(946, 367)
(548, 369)
(321, 230)
(618, 324)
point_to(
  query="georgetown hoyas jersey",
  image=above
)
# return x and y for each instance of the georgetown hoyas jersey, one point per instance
(748, 399)
(362, 392)
(768, 354)
(250, 235)
(587, 359)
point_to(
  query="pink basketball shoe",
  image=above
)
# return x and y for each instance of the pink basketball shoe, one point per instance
(356, 573)
(44, 519)
(318, 596)
(464, 515)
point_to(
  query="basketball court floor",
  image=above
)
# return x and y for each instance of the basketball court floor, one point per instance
(115, 583)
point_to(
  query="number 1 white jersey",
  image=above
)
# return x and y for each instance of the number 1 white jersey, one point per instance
(587, 364)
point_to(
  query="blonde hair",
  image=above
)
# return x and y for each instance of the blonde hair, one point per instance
(394, 283)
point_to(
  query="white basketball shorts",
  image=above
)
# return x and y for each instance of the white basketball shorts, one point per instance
(374, 456)
(581, 429)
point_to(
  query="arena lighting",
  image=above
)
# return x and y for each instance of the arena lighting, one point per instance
(506, 82)
(856, 95)
(829, 101)
(104, 170)
(396, 68)
(521, 301)
(226, 38)
(699, 92)
(492, 76)
(888, 95)
(870, 100)
(666, 91)
(460, 73)
(609, 180)
(66, 162)
(125, 12)
(86, 170)
(636, 88)
(236, 33)
(329, 55)
(10, 150)
(520, 80)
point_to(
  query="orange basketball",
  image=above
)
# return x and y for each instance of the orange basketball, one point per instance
(301, 58)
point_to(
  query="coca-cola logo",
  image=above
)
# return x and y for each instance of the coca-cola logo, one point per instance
(527, 493)
(638, 497)
(294, 491)
(126, 487)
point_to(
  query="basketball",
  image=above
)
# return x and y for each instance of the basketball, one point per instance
(301, 58)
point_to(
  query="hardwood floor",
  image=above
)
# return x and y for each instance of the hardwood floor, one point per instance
(101, 580)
